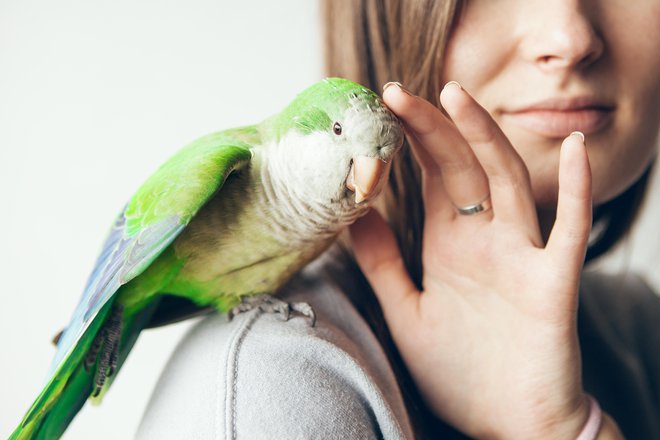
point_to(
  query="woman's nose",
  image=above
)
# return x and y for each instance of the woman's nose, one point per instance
(560, 35)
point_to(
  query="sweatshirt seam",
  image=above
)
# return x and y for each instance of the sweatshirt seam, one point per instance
(231, 377)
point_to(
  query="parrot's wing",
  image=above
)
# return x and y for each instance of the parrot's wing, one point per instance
(151, 220)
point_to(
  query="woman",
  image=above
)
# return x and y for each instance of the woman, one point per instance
(479, 269)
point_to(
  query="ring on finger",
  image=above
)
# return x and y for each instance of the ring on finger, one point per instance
(475, 208)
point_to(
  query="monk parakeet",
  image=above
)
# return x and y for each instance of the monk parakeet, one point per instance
(233, 215)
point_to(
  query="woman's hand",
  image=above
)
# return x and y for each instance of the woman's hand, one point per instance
(491, 341)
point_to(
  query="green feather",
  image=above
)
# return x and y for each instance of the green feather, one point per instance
(319, 106)
(185, 182)
(178, 189)
(162, 240)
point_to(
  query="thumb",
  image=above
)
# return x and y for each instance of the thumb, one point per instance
(378, 255)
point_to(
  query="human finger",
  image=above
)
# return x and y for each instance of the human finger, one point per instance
(437, 204)
(508, 177)
(441, 147)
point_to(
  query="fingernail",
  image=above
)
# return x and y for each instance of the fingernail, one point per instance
(399, 85)
(453, 84)
(578, 133)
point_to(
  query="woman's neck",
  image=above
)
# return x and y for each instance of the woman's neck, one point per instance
(546, 221)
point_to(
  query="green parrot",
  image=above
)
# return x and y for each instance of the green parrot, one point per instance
(229, 218)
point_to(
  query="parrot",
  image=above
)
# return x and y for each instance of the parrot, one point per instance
(224, 223)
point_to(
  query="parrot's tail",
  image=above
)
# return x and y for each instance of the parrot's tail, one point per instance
(89, 371)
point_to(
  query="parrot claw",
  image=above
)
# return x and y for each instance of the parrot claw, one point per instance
(306, 310)
(107, 344)
(57, 337)
(270, 304)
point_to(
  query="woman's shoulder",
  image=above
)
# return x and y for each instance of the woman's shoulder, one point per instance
(619, 329)
(259, 376)
(623, 302)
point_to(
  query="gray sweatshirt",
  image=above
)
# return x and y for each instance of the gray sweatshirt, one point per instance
(259, 377)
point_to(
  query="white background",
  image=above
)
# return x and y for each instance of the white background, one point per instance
(93, 97)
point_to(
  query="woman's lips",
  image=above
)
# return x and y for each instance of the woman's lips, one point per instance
(557, 118)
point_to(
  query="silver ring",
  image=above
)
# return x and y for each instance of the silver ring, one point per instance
(482, 206)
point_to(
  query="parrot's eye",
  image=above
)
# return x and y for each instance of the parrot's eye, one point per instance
(337, 128)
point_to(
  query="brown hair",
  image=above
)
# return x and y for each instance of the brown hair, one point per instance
(371, 42)
(375, 41)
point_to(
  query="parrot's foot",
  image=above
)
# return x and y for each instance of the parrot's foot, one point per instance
(270, 304)
(107, 343)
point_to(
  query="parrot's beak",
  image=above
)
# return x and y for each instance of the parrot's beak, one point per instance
(364, 176)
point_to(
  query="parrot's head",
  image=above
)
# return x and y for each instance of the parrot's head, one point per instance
(335, 143)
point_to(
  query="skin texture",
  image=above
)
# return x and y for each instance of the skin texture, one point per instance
(491, 340)
(599, 49)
